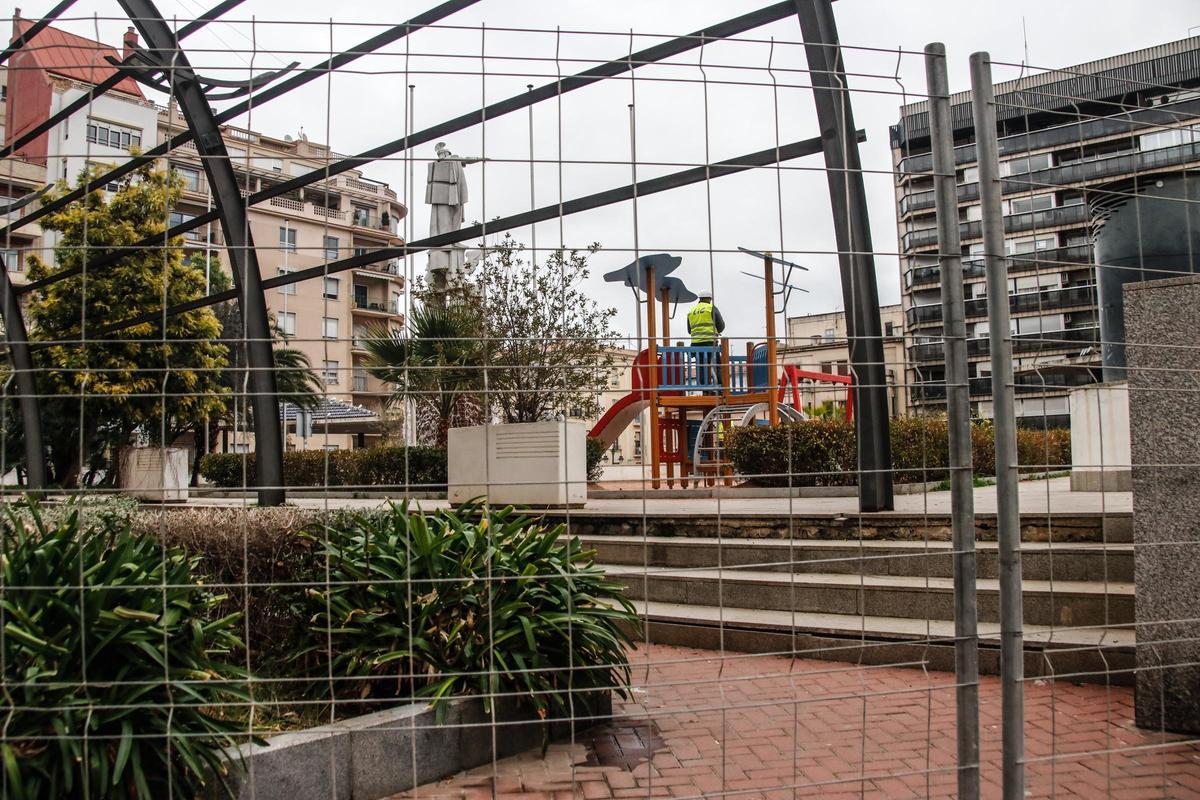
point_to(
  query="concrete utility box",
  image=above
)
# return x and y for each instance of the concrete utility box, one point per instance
(531, 463)
(155, 473)
(1100, 454)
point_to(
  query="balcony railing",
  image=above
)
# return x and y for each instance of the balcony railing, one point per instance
(973, 267)
(1070, 338)
(1044, 300)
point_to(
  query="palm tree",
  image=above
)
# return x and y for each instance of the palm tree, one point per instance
(439, 365)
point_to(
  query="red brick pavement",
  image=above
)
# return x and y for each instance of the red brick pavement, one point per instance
(757, 727)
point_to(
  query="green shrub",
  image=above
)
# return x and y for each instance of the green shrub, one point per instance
(416, 467)
(595, 459)
(435, 606)
(111, 664)
(822, 452)
(819, 452)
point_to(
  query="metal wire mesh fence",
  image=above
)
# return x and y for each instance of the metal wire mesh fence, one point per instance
(305, 499)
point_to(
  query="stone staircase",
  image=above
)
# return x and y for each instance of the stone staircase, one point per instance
(879, 600)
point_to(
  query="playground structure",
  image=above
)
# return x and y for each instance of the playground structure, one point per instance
(695, 394)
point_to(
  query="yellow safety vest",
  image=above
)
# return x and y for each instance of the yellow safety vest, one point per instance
(702, 324)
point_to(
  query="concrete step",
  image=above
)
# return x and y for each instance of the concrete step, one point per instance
(1062, 603)
(1068, 561)
(1094, 655)
(637, 520)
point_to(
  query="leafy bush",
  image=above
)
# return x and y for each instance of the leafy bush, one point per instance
(822, 452)
(418, 467)
(595, 459)
(110, 663)
(443, 605)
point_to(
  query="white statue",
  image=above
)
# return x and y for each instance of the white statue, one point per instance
(446, 192)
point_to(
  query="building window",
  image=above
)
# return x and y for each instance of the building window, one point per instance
(332, 287)
(395, 303)
(829, 333)
(189, 176)
(1026, 164)
(363, 215)
(287, 322)
(827, 367)
(287, 288)
(12, 260)
(287, 238)
(177, 218)
(889, 329)
(331, 248)
(267, 163)
(110, 135)
(1026, 205)
(329, 327)
(329, 372)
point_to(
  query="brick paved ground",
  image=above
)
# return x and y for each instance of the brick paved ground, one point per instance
(769, 727)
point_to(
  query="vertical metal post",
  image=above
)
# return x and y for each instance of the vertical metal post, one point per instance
(1012, 668)
(772, 351)
(22, 364)
(665, 311)
(652, 372)
(860, 293)
(958, 401)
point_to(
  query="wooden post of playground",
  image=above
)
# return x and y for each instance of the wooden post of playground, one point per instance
(772, 354)
(666, 331)
(652, 371)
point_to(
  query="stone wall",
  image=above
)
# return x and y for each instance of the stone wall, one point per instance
(1162, 322)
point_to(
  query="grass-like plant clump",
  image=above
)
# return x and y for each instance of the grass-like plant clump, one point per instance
(479, 601)
(114, 665)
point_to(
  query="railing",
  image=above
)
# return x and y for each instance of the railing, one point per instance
(689, 368)
(332, 213)
(287, 202)
(1043, 300)
(371, 305)
(973, 267)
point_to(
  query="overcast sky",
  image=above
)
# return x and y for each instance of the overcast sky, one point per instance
(680, 121)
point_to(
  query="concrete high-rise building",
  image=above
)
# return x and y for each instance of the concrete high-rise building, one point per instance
(1075, 144)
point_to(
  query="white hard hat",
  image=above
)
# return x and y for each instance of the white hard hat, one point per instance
(704, 293)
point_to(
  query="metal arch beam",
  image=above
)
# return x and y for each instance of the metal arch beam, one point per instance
(109, 82)
(860, 292)
(601, 72)
(22, 362)
(644, 188)
(193, 104)
(307, 75)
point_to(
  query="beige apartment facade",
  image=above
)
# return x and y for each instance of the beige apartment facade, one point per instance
(817, 343)
(326, 318)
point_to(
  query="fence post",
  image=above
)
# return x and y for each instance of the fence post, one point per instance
(1008, 521)
(958, 406)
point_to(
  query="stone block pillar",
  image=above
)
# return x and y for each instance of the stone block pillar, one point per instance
(1162, 322)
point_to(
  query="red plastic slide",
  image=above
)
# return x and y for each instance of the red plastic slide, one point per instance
(617, 418)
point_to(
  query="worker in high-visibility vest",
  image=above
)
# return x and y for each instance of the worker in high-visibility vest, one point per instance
(705, 324)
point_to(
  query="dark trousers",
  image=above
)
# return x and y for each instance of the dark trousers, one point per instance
(707, 370)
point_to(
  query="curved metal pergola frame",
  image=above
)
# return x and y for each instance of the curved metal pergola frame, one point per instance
(164, 57)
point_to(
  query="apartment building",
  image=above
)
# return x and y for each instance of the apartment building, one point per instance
(36, 82)
(818, 343)
(344, 215)
(18, 177)
(1063, 135)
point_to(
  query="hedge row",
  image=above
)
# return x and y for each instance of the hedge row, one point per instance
(417, 467)
(822, 452)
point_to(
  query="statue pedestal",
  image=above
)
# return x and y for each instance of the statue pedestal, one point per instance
(1161, 320)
